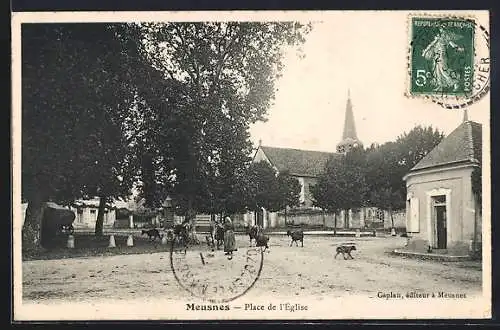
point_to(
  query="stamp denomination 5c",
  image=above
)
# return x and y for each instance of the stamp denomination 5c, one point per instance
(442, 56)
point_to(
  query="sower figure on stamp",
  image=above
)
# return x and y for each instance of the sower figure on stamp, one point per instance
(229, 238)
(443, 76)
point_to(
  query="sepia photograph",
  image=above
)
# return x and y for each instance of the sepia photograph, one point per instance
(251, 165)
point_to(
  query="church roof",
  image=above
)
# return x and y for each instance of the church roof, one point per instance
(464, 144)
(298, 162)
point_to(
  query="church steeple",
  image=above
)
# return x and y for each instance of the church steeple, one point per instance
(349, 136)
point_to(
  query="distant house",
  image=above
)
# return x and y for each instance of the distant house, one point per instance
(86, 213)
(443, 213)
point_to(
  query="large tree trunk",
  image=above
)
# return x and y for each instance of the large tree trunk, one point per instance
(99, 225)
(32, 228)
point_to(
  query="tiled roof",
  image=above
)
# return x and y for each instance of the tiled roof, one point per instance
(298, 162)
(463, 144)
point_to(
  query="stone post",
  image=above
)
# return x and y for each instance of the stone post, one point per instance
(131, 221)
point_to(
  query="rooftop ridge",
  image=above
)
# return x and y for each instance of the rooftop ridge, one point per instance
(296, 149)
(463, 144)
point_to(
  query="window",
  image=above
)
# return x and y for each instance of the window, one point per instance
(92, 211)
(439, 200)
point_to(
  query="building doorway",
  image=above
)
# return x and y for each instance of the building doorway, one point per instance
(440, 237)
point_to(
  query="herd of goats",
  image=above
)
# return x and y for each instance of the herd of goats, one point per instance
(179, 235)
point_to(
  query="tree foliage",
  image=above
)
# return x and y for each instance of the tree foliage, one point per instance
(374, 177)
(76, 94)
(342, 186)
(225, 74)
(270, 190)
(165, 107)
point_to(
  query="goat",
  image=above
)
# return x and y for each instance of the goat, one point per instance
(217, 233)
(297, 235)
(181, 234)
(262, 240)
(152, 233)
(253, 232)
(345, 249)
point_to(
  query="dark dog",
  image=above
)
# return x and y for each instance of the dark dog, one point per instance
(253, 232)
(217, 233)
(181, 235)
(345, 250)
(152, 233)
(262, 240)
(297, 235)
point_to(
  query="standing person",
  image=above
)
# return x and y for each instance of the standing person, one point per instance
(229, 239)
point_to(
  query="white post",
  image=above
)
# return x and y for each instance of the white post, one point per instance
(130, 240)
(71, 242)
(131, 221)
(112, 243)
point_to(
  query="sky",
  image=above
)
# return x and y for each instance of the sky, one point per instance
(365, 52)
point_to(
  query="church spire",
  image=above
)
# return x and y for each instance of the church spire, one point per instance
(466, 117)
(349, 136)
(349, 127)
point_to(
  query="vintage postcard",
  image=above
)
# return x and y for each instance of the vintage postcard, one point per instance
(251, 165)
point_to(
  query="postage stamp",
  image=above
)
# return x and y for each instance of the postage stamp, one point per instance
(442, 56)
(448, 60)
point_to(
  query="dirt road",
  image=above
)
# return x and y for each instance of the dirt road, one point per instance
(287, 271)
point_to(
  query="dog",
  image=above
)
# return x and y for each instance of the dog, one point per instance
(262, 241)
(345, 249)
(253, 232)
(297, 236)
(152, 233)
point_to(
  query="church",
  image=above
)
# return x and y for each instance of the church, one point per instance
(306, 166)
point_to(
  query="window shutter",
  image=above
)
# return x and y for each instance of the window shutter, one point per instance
(414, 225)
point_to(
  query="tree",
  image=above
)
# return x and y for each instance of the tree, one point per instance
(416, 144)
(263, 188)
(384, 177)
(388, 163)
(289, 191)
(79, 82)
(224, 76)
(342, 186)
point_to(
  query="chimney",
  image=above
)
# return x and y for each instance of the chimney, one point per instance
(466, 117)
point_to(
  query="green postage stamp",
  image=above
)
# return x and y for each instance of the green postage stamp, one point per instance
(441, 56)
